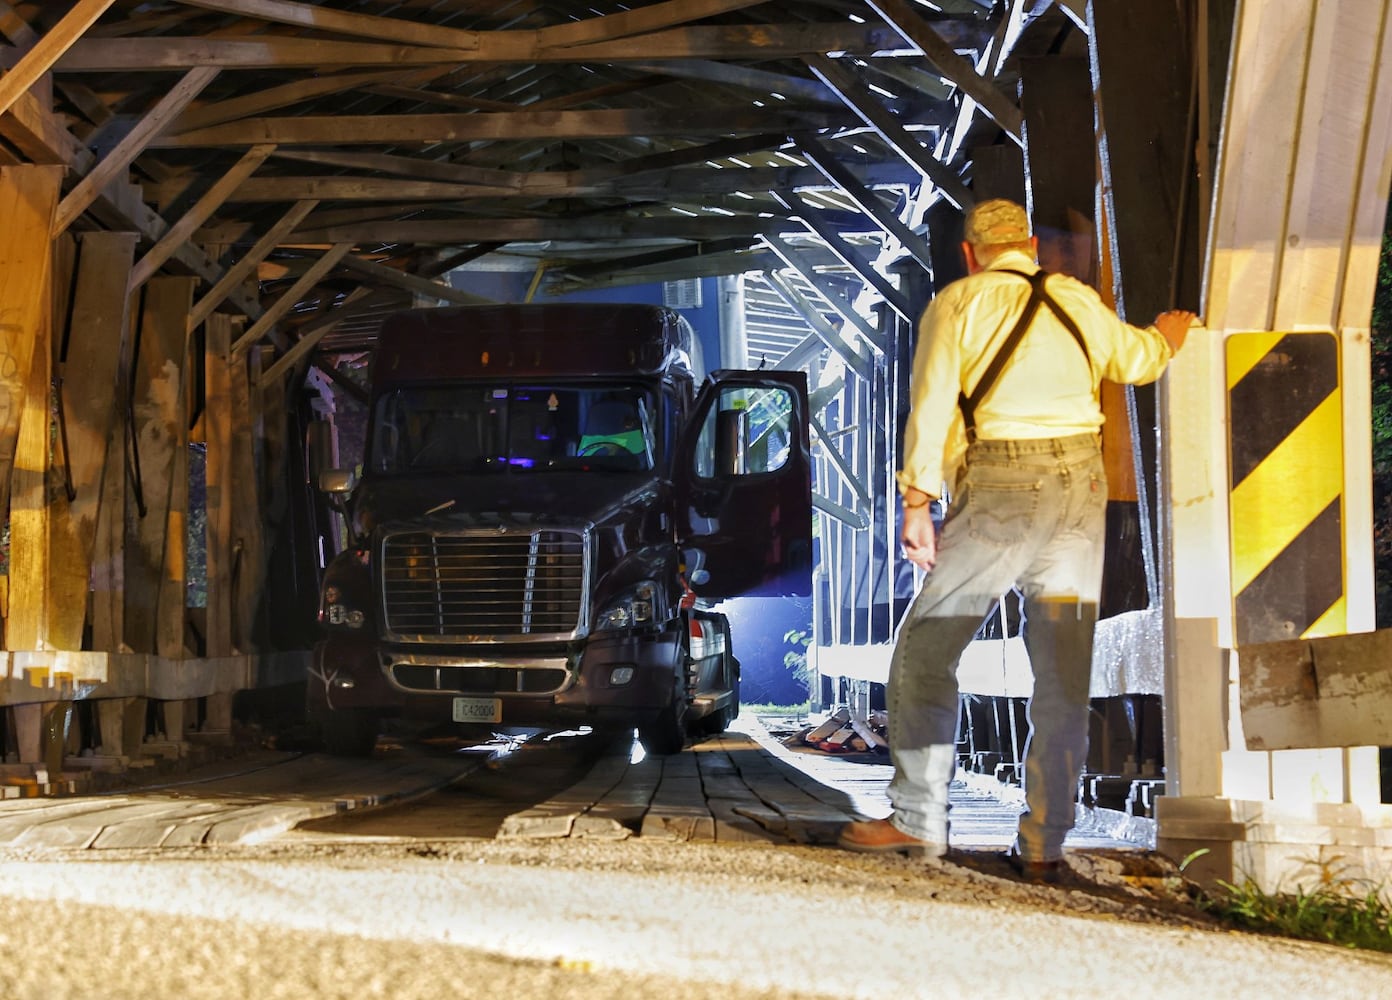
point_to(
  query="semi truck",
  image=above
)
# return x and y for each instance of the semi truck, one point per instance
(553, 500)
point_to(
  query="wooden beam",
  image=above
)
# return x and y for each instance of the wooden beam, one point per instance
(37, 133)
(1331, 691)
(326, 263)
(794, 259)
(905, 17)
(411, 166)
(757, 80)
(274, 98)
(360, 300)
(119, 206)
(659, 185)
(724, 42)
(114, 163)
(811, 218)
(181, 231)
(581, 270)
(496, 126)
(97, 340)
(889, 128)
(840, 175)
(820, 327)
(741, 43)
(305, 15)
(636, 22)
(453, 232)
(412, 283)
(718, 150)
(700, 266)
(47, 50)
(246, 266)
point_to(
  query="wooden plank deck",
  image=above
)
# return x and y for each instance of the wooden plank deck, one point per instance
(726, 789)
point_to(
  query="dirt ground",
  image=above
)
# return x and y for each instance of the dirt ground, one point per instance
(310, 915)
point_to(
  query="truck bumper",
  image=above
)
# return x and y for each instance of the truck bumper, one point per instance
(615, 681)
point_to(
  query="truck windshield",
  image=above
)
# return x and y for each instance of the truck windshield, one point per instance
(474, 428)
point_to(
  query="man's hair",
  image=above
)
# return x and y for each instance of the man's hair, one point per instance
(996, 225)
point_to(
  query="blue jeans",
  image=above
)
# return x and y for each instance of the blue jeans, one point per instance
(1029, 514)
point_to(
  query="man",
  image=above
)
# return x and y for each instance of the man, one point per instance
(1027, 509)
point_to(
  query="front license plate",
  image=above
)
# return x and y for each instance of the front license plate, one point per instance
(478, 710)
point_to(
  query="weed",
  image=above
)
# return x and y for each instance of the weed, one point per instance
(1338, 910)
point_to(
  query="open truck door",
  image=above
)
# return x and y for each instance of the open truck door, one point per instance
(744, 484)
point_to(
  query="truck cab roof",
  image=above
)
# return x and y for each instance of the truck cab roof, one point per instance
(535, 339)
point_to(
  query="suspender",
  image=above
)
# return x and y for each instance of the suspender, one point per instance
(1038, 294)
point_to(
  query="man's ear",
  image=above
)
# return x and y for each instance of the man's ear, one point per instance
(969, 255)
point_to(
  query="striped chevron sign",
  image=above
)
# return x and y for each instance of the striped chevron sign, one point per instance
(1286, 478)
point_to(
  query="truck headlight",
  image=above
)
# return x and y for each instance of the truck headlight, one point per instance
(335, 612)
(634, 608)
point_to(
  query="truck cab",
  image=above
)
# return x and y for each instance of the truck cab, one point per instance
(551, 501)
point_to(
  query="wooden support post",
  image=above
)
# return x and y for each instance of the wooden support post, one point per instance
(111, 721)
(28, 723)
(26, 627)
(88, 388)
(55, 735)
(217, 713)
(218, 421)
(1061, 148)
(248, 562)
(159, 435)
(178, 717)
(28, 200)
(109, 551)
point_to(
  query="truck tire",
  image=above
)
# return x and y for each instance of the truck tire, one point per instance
(666, 734)
(348, 732)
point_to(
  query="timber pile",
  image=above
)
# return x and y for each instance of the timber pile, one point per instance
(727, 788)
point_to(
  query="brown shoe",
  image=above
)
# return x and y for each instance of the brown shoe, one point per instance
(1038, 872)
(880, 836)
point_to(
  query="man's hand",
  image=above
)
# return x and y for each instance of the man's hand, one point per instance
(919, 538)
(1174, 327)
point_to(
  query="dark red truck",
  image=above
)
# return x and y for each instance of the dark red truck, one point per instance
(550, 500)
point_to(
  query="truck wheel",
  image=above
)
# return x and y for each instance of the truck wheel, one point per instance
(348, 732)
(666, 734)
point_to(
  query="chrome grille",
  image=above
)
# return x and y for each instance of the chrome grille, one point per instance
(484, 586)
(479, 680)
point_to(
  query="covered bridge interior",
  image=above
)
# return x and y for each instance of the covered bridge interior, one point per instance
(209, 205)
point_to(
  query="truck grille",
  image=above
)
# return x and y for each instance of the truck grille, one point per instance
(484, 586)
(479, 680)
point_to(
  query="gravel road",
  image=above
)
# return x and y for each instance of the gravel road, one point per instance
(310, 916)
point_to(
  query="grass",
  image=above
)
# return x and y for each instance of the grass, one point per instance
(1350, 913)
(784, 711)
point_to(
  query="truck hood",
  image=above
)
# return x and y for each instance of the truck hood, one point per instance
(485, 501)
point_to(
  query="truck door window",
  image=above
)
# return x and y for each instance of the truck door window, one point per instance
(745, 433)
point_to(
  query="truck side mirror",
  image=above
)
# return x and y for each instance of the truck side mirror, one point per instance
(337, 482)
